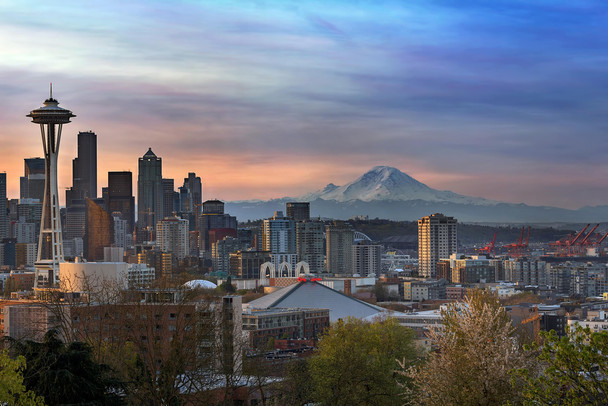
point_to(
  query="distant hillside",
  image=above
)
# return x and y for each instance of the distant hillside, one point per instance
(413, 210)
(468, 234)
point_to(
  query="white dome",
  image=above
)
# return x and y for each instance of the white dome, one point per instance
(200, 283)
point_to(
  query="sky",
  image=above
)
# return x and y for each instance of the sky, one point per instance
(505, 100)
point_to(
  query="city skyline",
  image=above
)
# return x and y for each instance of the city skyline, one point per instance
(501, 100)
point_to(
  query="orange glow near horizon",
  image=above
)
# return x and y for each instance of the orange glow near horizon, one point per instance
(226, 178)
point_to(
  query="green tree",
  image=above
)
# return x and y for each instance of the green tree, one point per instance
(12, 389)
(356, 361)
(66, 373)
(476, 351)
(381, 292)
(227, 286)
(574, 371)
(297, 387)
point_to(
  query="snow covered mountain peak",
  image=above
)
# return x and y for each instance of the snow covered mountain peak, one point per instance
(388, 183)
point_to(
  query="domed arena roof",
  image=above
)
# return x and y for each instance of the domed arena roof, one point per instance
(200, 283)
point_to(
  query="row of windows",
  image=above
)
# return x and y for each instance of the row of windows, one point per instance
(116, 316)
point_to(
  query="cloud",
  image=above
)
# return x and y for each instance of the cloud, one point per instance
(316, 92)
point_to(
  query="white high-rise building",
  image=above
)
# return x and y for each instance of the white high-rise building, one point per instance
(310, 244)
(140, 275)
(172, 236)
(279, 234)
(30, 253)
(437, 239)
(24, 232)
(120, 232)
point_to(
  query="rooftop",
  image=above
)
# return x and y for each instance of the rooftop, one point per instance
(316, 295)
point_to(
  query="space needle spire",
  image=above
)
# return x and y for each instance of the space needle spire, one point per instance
(51, 118)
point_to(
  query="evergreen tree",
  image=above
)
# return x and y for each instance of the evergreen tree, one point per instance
(66, 373)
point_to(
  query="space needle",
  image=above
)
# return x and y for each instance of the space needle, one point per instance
(51, 118)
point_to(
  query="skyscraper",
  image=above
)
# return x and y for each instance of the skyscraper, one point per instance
(299, 211)
(172, 236)
(310, 244)
(31, 185)
(120, 197)
(279, 234)
(120, 233)
(75, 220)
(51, 118)
(220, 253)
(213, 217)
(3, 210)
(279, 237)
(437, 239)
(340, 237)
(149, 191)
(195, 196)
(99, 231)
(168, 198)
(33, 166)
(84, 169)
(366, 259)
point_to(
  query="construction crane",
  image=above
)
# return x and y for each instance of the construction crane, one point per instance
(519, 248)
(563, 246)
(511, 247)
(580, 247)
(489, 249)
(594, 242)
(570, 251)
(577, 244)
(602, 239)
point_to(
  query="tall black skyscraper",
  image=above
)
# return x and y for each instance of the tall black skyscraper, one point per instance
(194, 195)
(33, 166)
(120, 197)
(168, 198)
(31, 185)
(299, 211)
(84, 169)
(149, 191)
(3, 210)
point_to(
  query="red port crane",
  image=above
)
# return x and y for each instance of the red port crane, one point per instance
(581, 247)
(489, 249)
(519, 248)
(576, 244)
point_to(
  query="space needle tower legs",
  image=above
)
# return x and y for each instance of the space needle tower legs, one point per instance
(51, 118)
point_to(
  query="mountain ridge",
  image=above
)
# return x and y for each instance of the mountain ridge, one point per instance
(386, 192)
(388, 183)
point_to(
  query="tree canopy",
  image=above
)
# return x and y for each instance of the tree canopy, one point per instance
(476, 352)
(12, 389)
(356, 361)
(65, 373)
(575, 370)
